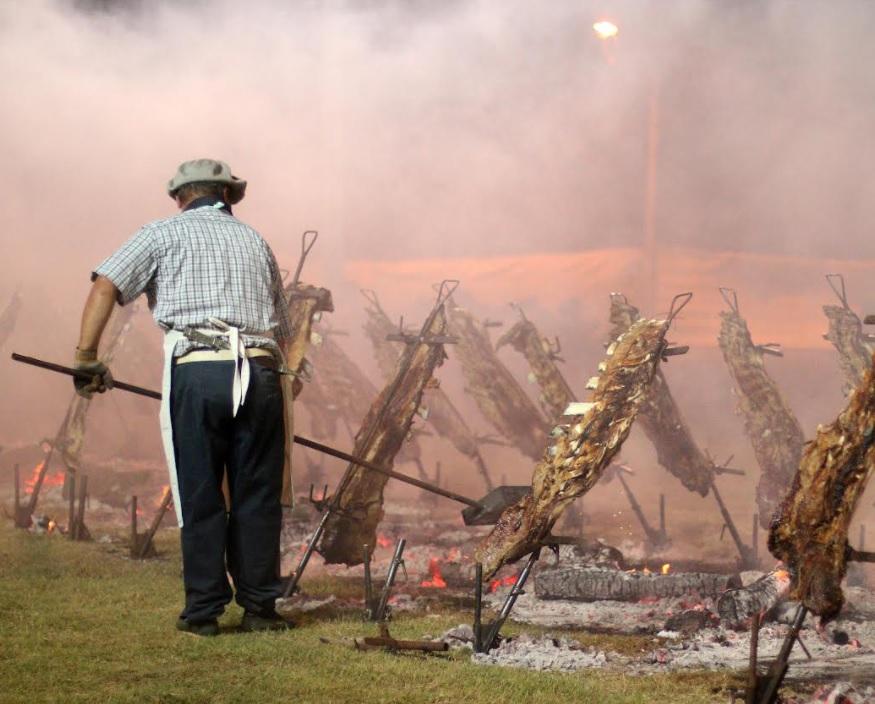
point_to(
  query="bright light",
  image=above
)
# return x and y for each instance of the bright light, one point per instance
(605, 29)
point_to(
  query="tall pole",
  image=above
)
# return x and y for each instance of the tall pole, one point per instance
(651, 252)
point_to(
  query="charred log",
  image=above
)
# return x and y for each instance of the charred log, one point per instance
(385, 427)
(542, 356)
(810, 531)
(499, 396)
(565, 582)
(737, 606)
(580, 450)
(770, 425)
(661, 419)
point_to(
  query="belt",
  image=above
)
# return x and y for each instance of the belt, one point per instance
(221, 355)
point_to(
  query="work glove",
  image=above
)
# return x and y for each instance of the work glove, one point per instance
(101, 378)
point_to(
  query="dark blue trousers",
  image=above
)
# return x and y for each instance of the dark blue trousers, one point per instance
(208, 440)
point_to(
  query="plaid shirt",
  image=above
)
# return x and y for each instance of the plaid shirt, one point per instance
(201, 264)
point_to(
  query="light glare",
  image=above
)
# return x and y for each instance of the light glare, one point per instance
(605, 29)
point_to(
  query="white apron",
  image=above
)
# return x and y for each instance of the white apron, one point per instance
(240, 386)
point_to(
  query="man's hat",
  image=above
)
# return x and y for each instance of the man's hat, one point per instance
(199, 170)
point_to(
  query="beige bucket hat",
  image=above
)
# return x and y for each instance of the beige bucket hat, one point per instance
(207, 170)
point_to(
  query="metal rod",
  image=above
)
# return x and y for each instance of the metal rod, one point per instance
(134, 526)
(778, 668)
(369, 585)
(662, 514)
(755, 539)
(295, 577)
(743, 550)
(69, 371)
(428, 486)
(859, 555)
(478, 607)
(166, 500)
(652, 535)
(80, 518)
(752, 677)
(305, 442)
(71, 512)
(17, 489)
(380, 614)
(515, 592)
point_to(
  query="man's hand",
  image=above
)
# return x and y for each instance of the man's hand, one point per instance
(101, 378)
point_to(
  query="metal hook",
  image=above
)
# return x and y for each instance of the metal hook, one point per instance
(731, 302)
(446, 289)
(841, 293)
(305, 250)
(371, 297)
(678, 303)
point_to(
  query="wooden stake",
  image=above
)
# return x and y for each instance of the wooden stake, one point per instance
(134, 526)
(150, 534)
(71, 511)
(81, 531)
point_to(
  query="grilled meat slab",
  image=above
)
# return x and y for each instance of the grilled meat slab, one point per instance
(580, 450)
(810, 531)
(440, 412)
(500, 398)
(770, 425)
(661, 419)
(385, 427)
(542, 356)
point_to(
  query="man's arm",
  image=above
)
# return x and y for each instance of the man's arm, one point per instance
(98, 308)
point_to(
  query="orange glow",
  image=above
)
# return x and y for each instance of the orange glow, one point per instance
(56, 479)
(434, 571)
(605, 29)
(383, 541)
(665, 568)
(495, 584)
(160, 500)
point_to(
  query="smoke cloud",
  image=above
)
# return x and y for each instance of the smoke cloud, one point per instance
(415, 133)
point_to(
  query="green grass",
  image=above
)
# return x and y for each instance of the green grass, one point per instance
(78, 623)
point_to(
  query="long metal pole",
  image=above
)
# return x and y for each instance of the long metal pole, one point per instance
(515, 592)
(380, 614)
(305, 442)
(743, 550)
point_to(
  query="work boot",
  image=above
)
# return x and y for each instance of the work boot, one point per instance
(209, 627)
(269, 621)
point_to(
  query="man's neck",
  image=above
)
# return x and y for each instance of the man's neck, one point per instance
(210, 201)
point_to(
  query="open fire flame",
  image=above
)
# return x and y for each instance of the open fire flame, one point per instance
(56, 479)
(496, 584)
(383, 541)
(436, 581)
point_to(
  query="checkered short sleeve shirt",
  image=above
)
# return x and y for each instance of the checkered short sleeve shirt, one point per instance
(201, 264)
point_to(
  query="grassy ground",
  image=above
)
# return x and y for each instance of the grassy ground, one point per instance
(78, 623)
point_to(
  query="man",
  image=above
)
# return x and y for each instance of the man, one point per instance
(213, 285)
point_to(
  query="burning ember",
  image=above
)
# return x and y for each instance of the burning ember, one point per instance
(495, 584)
(383, 541)
(56, 479)
(434, 571)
